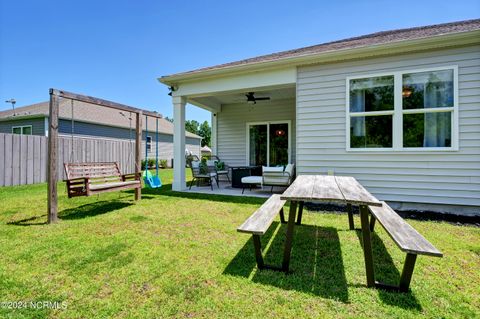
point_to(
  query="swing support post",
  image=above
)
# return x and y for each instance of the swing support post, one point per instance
(156, 148)
(52, 214)
(138, 152)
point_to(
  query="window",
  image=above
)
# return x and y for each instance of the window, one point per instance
(22, 130)
(428, 103)
(149, 144)
(407, 111)
(268, 144)
(371, 112)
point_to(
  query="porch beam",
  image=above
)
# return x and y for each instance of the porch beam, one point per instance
(239, 82)
(179, 143)
(212, 107)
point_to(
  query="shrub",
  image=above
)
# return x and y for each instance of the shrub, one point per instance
(203, 166)
(163, 163)
(151, 162)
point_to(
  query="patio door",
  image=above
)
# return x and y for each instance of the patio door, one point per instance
(268, 143)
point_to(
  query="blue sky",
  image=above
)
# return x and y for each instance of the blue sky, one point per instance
(117, 49)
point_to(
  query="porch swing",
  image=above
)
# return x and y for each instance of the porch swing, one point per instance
(91, 178)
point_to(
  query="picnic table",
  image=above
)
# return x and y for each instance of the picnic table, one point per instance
(346, 190)
(339, 189)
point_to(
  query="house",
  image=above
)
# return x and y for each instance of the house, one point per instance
(398, 110)
(205, 150)
(93, 121)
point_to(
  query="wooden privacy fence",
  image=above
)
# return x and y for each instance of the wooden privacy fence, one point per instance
(23, 158)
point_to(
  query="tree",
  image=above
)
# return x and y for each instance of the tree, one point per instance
(192, 126)
(205, 132)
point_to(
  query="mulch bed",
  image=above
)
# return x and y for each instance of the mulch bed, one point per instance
(410, 214)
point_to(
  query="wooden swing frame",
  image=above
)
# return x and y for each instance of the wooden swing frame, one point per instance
(52, 175)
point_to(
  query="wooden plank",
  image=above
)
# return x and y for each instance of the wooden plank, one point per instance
(37, 164)
(8, 160)
(43, 159)
(134, 185)
(120, 156)
(301, 189)
(405, 236)
(106, 171)
(259, 222)
(52, 158)
(326, 189)
(97, 151)
(68, 156)
(23, 160)
(355, 193)
(16, 159)
(62, 154)
(83, 145)
(116, 184)
(2, 159)
(94, 174)
(91, 166)
(87, 151)
(30, 154)
(103, 171)
(102, 102)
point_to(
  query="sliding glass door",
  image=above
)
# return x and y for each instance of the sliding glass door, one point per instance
(258, 144)
(268, 143)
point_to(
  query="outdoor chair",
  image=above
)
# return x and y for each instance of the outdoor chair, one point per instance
(213, 161)
(198, 175)
(190, 158)
(278, 176)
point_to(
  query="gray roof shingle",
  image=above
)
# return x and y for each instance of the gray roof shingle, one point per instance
(377, 38)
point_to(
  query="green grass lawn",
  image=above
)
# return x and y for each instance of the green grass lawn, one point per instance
(179, 255)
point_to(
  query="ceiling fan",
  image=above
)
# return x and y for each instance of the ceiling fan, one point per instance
(251, 99)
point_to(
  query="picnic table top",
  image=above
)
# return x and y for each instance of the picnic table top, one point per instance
(326, 188)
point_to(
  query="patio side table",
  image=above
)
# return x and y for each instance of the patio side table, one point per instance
(238, 172)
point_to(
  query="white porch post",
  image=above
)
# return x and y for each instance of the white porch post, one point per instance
(214, 134)
(179, 143)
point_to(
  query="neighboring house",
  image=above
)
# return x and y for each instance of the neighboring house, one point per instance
(94, 121)
(205, 150)
(398, 110)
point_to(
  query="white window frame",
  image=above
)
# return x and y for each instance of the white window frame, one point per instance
(247, 151)
(398, 112)
(22, 127)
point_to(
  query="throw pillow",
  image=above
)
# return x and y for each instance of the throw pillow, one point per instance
(220, 166)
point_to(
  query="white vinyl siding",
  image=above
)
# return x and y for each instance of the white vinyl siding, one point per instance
(435, 177)
(232, 125)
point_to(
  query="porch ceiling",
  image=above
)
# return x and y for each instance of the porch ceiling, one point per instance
(239, 97)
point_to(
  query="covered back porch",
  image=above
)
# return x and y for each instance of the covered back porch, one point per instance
(253, 122)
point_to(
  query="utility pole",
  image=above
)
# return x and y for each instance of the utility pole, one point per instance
(13, 101)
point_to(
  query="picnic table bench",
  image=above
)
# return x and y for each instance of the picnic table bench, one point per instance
(258, 224)
(407, 239)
